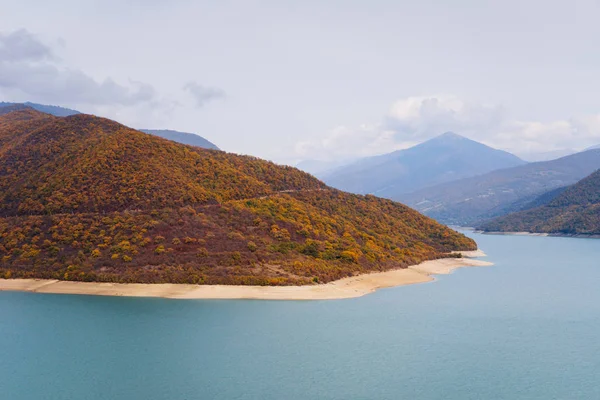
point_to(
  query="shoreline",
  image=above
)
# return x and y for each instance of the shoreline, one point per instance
(542, 234)
(351, 287)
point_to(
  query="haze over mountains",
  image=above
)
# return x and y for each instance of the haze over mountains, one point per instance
(574, 210)
(547, 155)
(472, 200)
(176, 136)
(182, 137)
(48, 109)
(321, 168)
(446, 158)
(85, 198)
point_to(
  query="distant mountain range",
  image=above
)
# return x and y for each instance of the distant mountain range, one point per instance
(52, 110)
(182, 137)
(473, 200)
(574, 210)
(321, 167)
(446, 158)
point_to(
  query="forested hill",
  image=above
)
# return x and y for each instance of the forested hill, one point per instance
(85, 163)
(576, 210)
(85, 198)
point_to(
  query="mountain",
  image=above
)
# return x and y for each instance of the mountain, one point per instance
(472, 200)
(182, 137)
(13, 107)
(86, 198)
(576, 210)
(442, 159)
(52, 110)
(593, 147)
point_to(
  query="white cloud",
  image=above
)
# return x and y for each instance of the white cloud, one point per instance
(416, 119)
(344, 142)
(30, 69)
(203, 94)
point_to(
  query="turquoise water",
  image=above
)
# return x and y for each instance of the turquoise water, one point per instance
(527, 328)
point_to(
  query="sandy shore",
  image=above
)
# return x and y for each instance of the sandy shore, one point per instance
(355, 286)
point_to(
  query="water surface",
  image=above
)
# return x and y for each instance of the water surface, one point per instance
(526, 328)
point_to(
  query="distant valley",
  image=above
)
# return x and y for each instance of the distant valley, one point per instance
(473, 200)
(574, 210)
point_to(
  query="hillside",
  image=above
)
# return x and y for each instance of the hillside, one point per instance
(576, 210)
(442, 159)
(182, 137)
(472, 200)
(85, 198)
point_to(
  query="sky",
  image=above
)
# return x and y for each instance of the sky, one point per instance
(316, 79)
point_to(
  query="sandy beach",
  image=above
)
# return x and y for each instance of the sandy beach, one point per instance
(350, 287)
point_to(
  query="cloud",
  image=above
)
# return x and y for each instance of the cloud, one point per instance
(344, 142)
(22, 46)
(420, 118)
(203, 94)
(416, 119)
(28, 68)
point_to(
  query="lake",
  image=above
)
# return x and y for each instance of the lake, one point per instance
(526, 328)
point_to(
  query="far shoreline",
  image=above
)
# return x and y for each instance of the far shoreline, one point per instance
(350, 287)
(541, 234)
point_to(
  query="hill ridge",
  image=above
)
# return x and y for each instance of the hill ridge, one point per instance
(86, 198)
(469, 201)
(575, 210)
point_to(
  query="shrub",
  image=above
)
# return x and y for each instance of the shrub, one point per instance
(310, 248)
(350, 256)
(252, 246)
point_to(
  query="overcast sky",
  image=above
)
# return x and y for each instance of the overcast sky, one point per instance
(323, 79)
